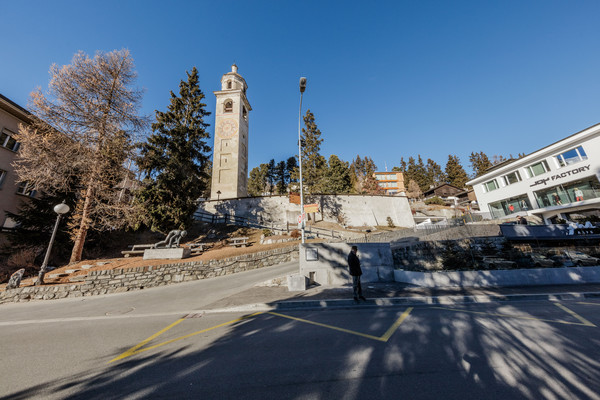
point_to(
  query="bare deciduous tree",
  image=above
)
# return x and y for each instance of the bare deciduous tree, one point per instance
(83, 131)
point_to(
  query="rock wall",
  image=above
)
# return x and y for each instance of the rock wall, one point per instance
(123, 280)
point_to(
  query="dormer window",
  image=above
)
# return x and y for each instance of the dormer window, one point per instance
(228, 106)
(229, 84)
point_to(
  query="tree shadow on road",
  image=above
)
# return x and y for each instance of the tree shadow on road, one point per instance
(464, 352)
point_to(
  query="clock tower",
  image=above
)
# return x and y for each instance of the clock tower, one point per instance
(230, 152)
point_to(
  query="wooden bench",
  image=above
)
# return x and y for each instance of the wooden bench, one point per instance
(136, 250)
(239, 241)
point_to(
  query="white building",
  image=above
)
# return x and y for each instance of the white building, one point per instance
(555, 181)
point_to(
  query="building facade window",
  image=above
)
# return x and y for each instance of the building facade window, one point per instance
(571, 156)
(583, 189)
(2, 176)
(8, 141)
(511, 178)
(228, 84)
(228, 106)
(26, 189)
(502, 208)
(491, 185)
(537, 168)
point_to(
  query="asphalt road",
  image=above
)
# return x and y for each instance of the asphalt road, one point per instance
(513, 350)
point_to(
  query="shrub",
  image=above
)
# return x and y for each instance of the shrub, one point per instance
(435, 200)
(390, 222)
(266, 232)
(295, 234)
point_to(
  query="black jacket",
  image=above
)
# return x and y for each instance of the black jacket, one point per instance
(354, 264)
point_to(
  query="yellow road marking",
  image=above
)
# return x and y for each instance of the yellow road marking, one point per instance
(396, 324)
(134, 349)
(590, 304)
(574, 314)
(386, 336)
(138, 348)
(516, 316)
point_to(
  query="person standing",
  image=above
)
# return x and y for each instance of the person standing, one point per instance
(355, 272)
(578, 194)
(521, 220)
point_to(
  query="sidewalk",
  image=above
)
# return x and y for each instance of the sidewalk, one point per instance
(393, 293)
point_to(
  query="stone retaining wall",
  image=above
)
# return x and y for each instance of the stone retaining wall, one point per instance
(123, 280)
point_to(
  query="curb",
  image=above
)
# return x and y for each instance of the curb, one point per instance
(401, 301)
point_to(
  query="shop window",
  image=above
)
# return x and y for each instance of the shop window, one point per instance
(511, 178)
(8, 141)
(580, 190)
(502, 208)
(538, 168)
(228, 106)
(489, 186)
(571, 157)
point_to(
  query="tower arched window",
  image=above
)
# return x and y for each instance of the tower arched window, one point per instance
(228, 106)
(229, 84)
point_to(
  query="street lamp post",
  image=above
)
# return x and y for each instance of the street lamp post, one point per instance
(302, 89)
(59, 209)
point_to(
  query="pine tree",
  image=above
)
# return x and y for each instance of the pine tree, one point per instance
(291, 167)
(479, 163)
(455, 173)
(282, 177)
(410, 169)
(362, 176)
(416, 171)
(35, 221)
(272, 176)
(435, 175)
(370, 185)
(174, 159)
(338, 177)
(401, 168)
(258, 181)
(313, 163)
(421, 175)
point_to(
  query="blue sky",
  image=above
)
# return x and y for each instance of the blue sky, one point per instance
(385, 78)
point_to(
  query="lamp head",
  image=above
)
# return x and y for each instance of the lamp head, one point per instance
(302, 84)
(61, 208)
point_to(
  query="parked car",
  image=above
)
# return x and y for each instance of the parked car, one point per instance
(570, 258)
(579, 258)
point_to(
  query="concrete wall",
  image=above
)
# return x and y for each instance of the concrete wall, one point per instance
(327, 263)
(353, 210)
(518, 277)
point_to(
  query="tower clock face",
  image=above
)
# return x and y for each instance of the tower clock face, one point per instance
(227, 128)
